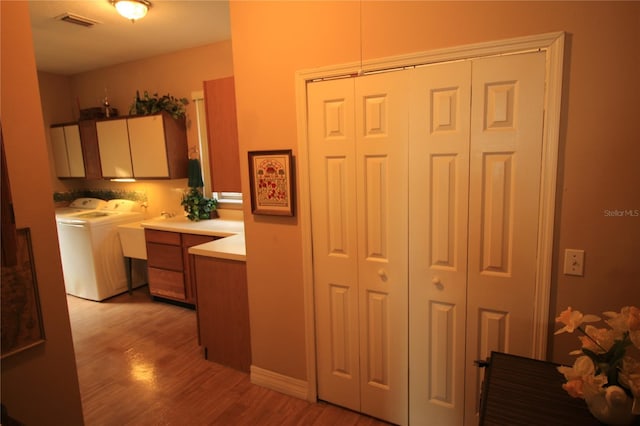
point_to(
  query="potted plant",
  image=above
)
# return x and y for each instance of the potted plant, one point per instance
(196, 205)
(154, 104)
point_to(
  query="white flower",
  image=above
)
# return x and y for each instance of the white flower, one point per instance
(573, 319)
(607, 358)
(582, 366)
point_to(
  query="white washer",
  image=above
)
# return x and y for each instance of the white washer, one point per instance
(81, 205)
(93, 265)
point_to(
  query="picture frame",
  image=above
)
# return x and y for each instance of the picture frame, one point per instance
(22, 326)
(271, 182)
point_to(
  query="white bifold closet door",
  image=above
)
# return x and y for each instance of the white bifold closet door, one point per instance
(358, 135)
(425, 190)
(475, 159)
(438, 217)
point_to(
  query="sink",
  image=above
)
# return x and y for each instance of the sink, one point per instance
(132, 240)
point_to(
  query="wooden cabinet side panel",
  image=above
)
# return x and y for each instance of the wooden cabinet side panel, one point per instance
(175, 134)
(222, 132)
(190, 240)
(223, 311)
(90, 151)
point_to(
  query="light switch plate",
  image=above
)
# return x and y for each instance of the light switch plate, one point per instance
(574, 262)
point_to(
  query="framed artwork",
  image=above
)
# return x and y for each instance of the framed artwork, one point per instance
(271, 181)
(22, 326)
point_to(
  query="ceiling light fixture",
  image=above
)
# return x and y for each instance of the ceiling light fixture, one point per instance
(132, 9)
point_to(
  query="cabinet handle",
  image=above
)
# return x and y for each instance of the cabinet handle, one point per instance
(382, 274)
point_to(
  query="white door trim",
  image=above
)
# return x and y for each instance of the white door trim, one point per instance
(553, 45)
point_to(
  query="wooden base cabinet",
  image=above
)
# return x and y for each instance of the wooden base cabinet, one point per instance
(223, 311)
(169, 267)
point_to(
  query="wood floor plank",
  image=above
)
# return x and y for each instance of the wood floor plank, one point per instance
(139, 364)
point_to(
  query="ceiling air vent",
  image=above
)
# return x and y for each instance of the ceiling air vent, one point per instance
(77, 19)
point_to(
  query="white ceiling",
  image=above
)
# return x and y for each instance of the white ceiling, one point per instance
(170, 25)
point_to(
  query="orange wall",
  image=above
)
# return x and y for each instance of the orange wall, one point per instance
(178, 74)
(41, 383)
(599, 149)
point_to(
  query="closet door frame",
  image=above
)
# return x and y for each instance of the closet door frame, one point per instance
(553, 46)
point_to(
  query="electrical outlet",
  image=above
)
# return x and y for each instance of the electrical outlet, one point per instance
(574, 262)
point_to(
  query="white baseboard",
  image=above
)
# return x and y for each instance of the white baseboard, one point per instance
(279, 382)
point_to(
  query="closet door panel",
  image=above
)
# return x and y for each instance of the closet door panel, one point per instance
(505, 170)
(333, 211)
(438, 214)
(382, 194)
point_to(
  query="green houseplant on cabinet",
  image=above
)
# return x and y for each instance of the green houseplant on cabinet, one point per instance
(153, 104)
(196, 205)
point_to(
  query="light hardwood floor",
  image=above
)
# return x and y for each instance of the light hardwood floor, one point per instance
(139, 363)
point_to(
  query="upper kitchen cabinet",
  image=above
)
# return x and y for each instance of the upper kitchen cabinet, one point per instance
(67, 151)
(222, 129)
(89, 139)
(143, 147)
(113, 146)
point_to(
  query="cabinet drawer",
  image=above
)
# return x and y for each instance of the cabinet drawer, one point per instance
(165, 283)
(163, 237)
(164, 256)
(190, 240)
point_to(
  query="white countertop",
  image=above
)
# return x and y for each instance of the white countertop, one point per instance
(230, 247)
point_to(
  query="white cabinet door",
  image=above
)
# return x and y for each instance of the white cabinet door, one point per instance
(74, 150)
(148, 147)
(67, 151)
(113, 143)
(59, 146)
